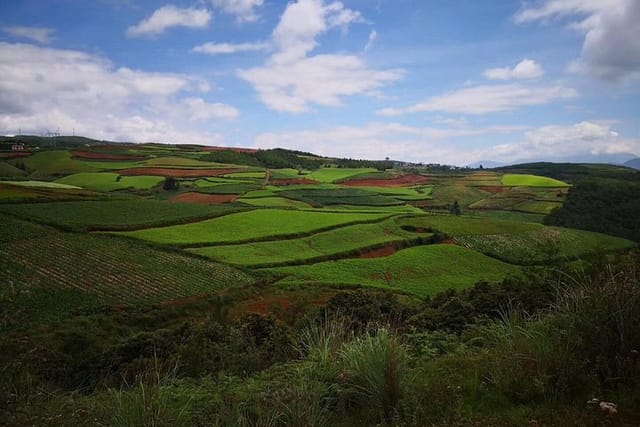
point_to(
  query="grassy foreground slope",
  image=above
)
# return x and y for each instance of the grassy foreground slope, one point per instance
(52, 272)
(421, 270)
(257, 224)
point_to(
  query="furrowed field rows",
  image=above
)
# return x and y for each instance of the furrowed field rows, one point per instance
(115, 214)
(106, 269)
(544, 244)
(259, 224)
(461, 225)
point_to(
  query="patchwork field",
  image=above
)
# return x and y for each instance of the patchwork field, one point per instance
(304, 219)
(523, 180)
(343, 240)
(105, 181)
(330, 175)
(421, 270)
(261, 224)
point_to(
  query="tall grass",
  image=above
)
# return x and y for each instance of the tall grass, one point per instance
(586, 344)
(375, 366)
(150, 403)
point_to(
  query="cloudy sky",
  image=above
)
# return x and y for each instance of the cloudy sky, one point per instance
(448, 81)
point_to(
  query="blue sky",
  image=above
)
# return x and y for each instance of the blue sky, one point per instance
(448, 81)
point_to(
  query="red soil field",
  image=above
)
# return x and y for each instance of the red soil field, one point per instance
(204, 199)
(113, 146)
(178, 173)
(379, 253)
(237, 150)
(405, 180)
(15, 154)
(89, 155)
(293, 181)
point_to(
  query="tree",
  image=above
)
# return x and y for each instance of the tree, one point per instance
(170, 183)
(455, 209)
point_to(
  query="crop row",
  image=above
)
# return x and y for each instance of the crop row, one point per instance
(107, 269)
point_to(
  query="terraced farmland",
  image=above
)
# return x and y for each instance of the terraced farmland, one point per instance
(260, 224)
(543, 244)
(344, 240)
(420, 271)
(105, 181)
(114, 214)
(55, 272)
(531, 181)
(330, 175)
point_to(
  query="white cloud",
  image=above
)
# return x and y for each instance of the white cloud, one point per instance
(379, 140)
(38, 34)
(582, 140)
(611, 28)
(292, 79)
(525, 69)
(373, 36)
(487, 99)
(170, 16)
(199, 110)
(52, 89)
(243, 10)
(211, 48)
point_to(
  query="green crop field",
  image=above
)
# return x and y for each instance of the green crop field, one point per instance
(403, 193)
(9, 171)
(230, 188)
(508, 215)
(421, 270)
(464, 225)
(340, 240)
(338, 174)
(177, 162)
(247, 175)
(274, 202)
(48, 163)
(41, 184)
(114, 214)
(545, 243)
(105, 181)
(213, 181)
(260, 224)
(52, 272)
(341, 196)
(531, 181)
(286, 173)
(448, 193)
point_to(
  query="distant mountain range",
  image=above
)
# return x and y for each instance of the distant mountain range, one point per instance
(633, 163)
(623, 159)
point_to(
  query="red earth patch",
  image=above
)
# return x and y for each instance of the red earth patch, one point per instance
(90, 155)
(204, 199)
(379, 253)
(177, 173)
(405, 180)
(15, 154)
(293, 181)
